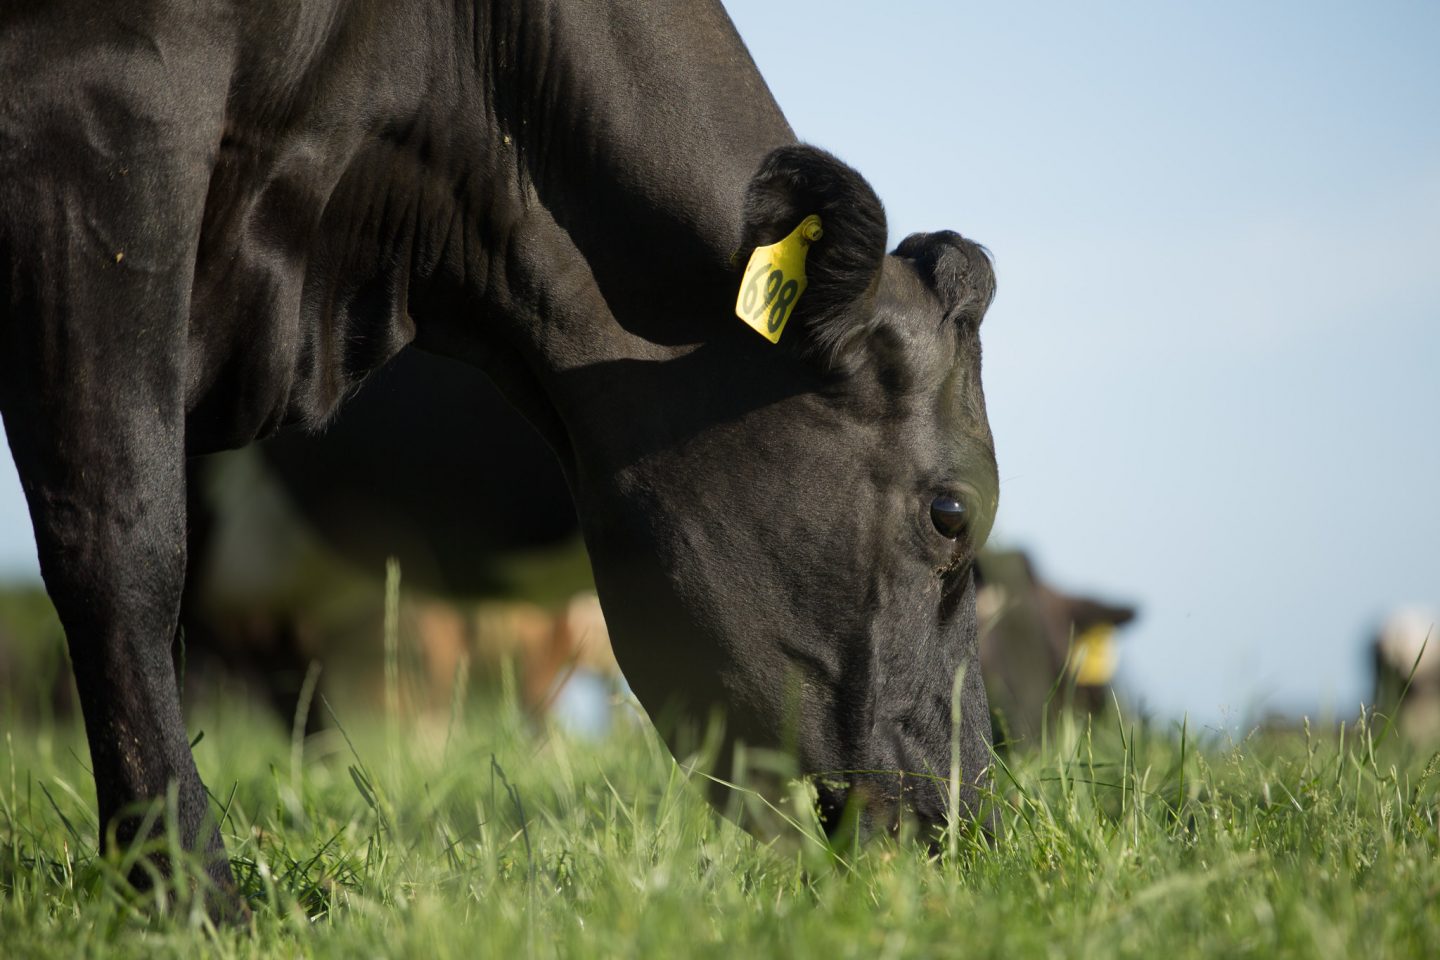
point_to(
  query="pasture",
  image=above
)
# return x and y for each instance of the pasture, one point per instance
(477, 835)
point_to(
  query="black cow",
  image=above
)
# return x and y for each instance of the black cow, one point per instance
(217, 218)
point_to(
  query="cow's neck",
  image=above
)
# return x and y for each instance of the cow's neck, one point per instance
(532, 185)
(627, 133)
(635, 127)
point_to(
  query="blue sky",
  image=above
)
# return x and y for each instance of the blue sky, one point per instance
(1213, 367)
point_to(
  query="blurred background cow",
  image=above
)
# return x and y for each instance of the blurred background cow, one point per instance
(291, 540)
(1041, 649)
(1407, 671)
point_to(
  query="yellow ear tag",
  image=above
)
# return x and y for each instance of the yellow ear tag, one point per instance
(775, 279)
(1095, 656)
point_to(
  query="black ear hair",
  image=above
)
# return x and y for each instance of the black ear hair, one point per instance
(843, 266)
(958, 270)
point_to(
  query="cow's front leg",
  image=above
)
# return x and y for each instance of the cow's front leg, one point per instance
(101, 464)
(99, 219)
(109, 511)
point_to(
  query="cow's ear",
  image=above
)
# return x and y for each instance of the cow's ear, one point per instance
(843, 266)
(959, 271)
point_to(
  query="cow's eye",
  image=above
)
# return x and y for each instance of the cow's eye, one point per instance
(948, 515)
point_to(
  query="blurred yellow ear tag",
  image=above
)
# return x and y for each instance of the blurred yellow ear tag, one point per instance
(1095, 656)
(775, 279)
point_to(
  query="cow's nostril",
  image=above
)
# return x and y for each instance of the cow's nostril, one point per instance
(948, 515)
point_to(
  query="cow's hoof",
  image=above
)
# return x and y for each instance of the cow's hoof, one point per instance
(227, 908)
(223, 901)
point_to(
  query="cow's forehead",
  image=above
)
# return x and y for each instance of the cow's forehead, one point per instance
(939, 356)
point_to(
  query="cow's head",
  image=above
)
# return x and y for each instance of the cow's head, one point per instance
(788, 531)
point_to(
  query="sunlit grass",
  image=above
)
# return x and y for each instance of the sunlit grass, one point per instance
(474, 835)
(470, 833)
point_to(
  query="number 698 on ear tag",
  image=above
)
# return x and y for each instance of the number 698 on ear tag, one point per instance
(774, 280)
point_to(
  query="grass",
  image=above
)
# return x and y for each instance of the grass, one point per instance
(470, 834)
(480, 837)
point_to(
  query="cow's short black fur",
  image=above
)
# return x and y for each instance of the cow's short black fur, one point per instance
(218, 217)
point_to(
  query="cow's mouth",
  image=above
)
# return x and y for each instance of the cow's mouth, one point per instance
(875, 802)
